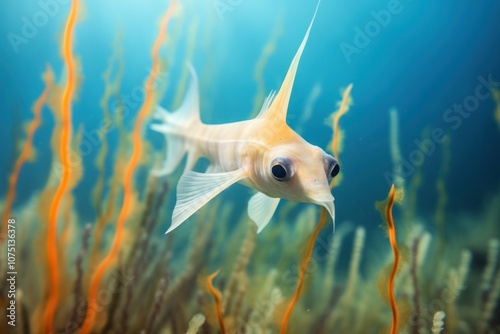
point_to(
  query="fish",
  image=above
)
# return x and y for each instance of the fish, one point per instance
(263, 153)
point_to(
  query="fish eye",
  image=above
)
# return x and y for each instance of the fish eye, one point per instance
(335, 171)
(281, 169)
(279, 172)
(332, 167)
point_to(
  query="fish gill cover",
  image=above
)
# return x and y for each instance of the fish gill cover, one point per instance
(83, 248)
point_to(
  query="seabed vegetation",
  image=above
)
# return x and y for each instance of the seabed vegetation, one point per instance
(122, 274)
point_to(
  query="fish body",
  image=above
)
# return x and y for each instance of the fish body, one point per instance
(264, 154)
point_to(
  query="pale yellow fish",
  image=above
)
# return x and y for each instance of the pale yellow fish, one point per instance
(263, 153)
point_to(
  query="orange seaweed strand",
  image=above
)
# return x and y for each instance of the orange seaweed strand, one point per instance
(303, 267)
(129, 173)
(344, 107)
(335, 149)
(52, 258)
(395, 250)
(218, 300)
(26, 151)
(336, 118)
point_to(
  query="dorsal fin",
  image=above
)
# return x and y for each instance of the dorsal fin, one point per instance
(279, 107)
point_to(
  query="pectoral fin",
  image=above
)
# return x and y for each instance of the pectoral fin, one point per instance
(195, 189)
(261, 209)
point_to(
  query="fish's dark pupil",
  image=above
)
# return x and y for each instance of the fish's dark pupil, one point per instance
(335, 171)
(279, 172)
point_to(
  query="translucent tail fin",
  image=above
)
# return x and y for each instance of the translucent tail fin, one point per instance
(175, 125)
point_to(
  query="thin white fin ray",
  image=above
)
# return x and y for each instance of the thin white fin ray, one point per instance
(267, 103)
(194, 190)
(279, 106)
(161, 128)
(161, 114)
(261, 209)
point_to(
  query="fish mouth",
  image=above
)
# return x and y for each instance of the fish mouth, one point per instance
(325, 198)
(330, 207)
(328, 204)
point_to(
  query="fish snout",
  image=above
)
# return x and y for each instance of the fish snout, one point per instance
(330, 207)
(332, 167)
(321, 194)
